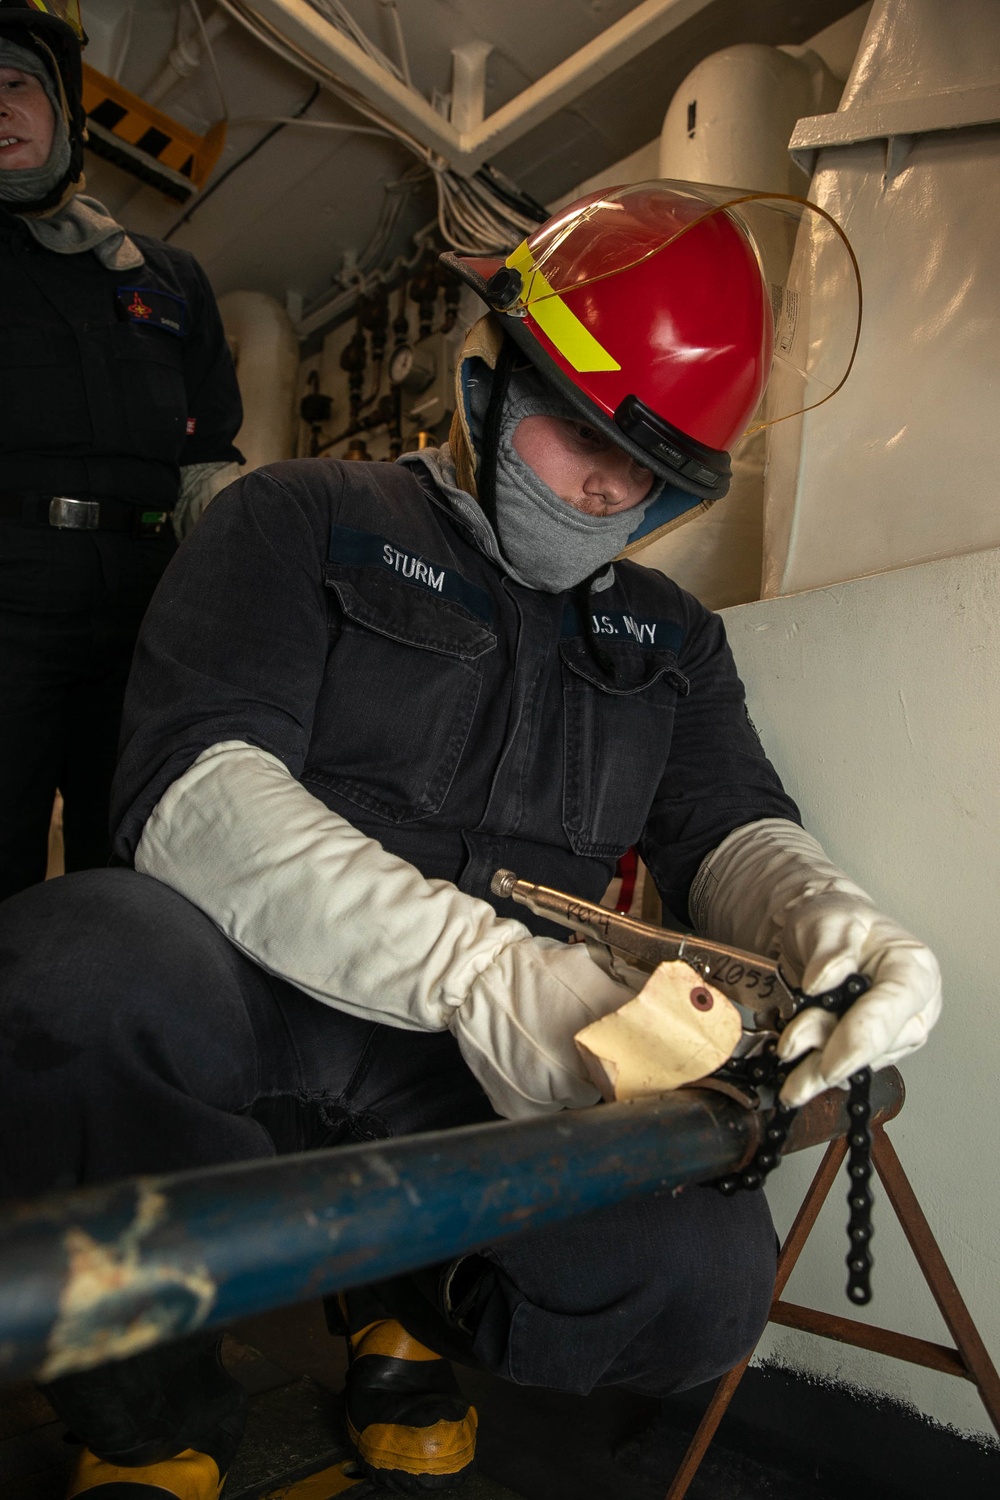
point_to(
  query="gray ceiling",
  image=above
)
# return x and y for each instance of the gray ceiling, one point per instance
(283, 221)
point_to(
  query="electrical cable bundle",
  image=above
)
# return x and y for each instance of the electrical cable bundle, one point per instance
(341, 19)
(397, 195)
(482, 215)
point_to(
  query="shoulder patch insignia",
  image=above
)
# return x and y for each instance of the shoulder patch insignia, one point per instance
(155, 308)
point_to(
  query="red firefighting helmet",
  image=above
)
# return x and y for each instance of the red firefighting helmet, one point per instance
(46, 17)
(660, 308)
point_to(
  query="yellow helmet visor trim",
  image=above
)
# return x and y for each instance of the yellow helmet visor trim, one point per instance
(63, 10)
(558, 322)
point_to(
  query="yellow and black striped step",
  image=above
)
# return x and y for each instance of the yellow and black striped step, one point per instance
(142, 140)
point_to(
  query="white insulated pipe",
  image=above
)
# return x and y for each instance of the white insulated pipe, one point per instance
(186, 57)
(731, 119)
(729, 123)
(266, 354)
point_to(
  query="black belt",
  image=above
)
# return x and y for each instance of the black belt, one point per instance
(69, 514)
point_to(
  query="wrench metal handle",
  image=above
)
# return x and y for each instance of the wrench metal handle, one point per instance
(747, 978)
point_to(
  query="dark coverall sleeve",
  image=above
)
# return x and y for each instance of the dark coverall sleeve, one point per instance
(215, 411)
(718, 775)
(233, 646)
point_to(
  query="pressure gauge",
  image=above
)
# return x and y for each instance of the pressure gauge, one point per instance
(413, 369)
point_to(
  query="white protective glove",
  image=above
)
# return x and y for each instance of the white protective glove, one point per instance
(200, 483)
(770, 888)
(312, 899)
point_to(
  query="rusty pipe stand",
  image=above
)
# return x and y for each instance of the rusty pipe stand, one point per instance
(969, 1359)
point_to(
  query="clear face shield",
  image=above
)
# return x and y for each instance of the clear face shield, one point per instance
(806, 263)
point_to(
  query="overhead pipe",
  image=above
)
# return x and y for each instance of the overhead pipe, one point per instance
(104, 1272)
(266, 353)
(466, 150)
(186, 55)
(728, 123)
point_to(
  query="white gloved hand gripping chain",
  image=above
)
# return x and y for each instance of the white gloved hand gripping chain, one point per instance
(770, 887)
(831, 932)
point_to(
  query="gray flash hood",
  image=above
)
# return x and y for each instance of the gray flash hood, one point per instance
(672, 507)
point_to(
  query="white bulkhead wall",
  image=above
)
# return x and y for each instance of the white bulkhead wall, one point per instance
(877, 701)
(877, 695)
(729, 123)
(903, 465)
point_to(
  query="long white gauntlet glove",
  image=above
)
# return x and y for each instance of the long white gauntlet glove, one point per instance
(770, 888)
(312, 899)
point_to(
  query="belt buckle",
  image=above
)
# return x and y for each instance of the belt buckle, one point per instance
(75, 515)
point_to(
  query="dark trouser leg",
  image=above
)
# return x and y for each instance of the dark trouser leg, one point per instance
(141, 1041)
(31, 719)
(71, 603)
(92, 718)
(127, 1044)
(657, 1294)
(135, 1038)
(410, 1424)
(127, 1039)
(150, 1407)
(130, 569)
(32, 685)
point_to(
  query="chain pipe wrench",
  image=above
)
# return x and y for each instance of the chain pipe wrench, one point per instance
(754, 1074)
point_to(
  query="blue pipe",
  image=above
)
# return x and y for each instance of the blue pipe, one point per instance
(103, 1272)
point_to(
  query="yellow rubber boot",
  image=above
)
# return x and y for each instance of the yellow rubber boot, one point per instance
(412, 1428)
(189, 1476)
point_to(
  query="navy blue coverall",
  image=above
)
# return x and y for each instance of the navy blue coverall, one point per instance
(109, 382)
(339, 617)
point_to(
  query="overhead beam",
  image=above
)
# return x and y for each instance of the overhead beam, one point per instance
(466, 149)
(563, 84)
(306, 30)
(468, 85)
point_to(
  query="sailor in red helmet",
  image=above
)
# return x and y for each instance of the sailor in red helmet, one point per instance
(360, 691)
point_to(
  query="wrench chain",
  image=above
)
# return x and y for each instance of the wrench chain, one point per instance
(766, 1070)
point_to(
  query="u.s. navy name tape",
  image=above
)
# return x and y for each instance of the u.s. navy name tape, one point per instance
(622, 625)
(367, 549)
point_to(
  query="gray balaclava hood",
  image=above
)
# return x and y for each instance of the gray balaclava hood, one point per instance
(31, 184)
(535, 537)
(78, 224)
(551, 545)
